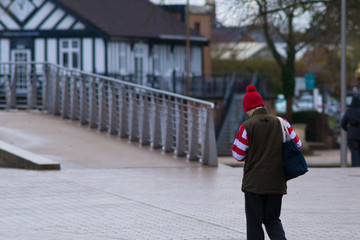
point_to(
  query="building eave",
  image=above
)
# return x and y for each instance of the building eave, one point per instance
(183, 38)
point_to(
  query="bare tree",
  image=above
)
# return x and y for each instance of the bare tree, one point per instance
(295, 22)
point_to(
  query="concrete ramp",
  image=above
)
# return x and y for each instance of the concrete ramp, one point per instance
(76, 146)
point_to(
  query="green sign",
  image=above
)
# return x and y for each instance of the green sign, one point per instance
(310, 81)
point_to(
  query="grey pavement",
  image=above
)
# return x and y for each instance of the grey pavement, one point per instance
(109, 188)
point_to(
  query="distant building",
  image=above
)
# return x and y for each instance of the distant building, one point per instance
(242, 43)
(201, 20)
(244, 50)
(111, 37)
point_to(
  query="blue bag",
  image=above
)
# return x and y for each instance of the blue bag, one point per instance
(294, 162)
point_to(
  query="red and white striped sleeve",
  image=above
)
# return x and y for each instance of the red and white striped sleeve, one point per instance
(293, 134)
(241, 144)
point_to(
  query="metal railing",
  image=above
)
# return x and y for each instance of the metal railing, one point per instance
(173, 122)
(225, 106)
(213, 87)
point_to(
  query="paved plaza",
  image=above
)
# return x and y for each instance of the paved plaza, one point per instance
(110, 188)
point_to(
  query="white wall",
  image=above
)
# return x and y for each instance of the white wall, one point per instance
(87, 54)
(5, 50)
(39, 50)
(52, 50)
(99, 56)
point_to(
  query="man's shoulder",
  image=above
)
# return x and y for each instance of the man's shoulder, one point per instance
(261, 116)
(258, 118)
(351, 111)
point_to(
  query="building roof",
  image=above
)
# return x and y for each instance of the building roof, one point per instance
(248, 50)
(238, 51)
(130, 19)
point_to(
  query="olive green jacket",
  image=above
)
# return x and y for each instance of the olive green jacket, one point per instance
(263, 170)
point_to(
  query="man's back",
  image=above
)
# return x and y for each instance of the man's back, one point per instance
(263, 171)
(259, 143)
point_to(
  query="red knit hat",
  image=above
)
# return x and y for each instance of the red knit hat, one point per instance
(252, 99)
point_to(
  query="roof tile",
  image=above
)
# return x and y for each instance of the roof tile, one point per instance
(127, 18)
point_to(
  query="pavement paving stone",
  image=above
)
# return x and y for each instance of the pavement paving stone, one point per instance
(152, 199)
(168, 203)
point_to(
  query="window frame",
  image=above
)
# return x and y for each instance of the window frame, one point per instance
(71, 47)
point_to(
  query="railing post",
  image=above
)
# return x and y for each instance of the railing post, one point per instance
(45, 86)
(10, 89)
(180, 129)
(65, 97)
(124, 120)
(134, 123)
(93, 108)
(145, 130)
(31, 87)
(169, 133)
(156, 134)
(13, 88)
(102, 106)
(56, 94)
(83, 101)
(194, 136)
(173, 75)
(113, 116)
(209, 151)
(74, 98)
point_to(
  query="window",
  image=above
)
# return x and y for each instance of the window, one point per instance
(139, 55)
(75, 44)
(156, 60)
(70, 53)
(75, 59)
(123, 61)
(197, 27)
(65, 59)
(65, 44)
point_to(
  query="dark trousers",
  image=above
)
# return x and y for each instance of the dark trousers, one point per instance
(263, 209)
(354, 146)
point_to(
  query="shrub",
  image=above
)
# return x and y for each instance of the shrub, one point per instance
(315, 124)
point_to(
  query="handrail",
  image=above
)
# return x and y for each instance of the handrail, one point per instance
(243, 116)
(226, 104)
(254, 79)
(210, 104)
(166, 120)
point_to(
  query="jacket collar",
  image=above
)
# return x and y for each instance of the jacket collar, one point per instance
(260, 111)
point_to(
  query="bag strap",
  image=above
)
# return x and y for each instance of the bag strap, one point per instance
(284, 132)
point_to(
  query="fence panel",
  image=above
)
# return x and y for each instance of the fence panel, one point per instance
(161, 119)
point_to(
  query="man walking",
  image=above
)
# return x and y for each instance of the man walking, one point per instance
(259, 144)
(350, 122)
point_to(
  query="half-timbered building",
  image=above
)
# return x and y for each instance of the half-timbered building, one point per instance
(110, 37)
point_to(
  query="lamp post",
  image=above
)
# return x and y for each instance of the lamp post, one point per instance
(343, 145)
(187, 48)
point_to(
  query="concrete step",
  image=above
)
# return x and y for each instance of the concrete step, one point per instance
(20, 158)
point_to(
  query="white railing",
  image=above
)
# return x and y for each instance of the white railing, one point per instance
(173, 122)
